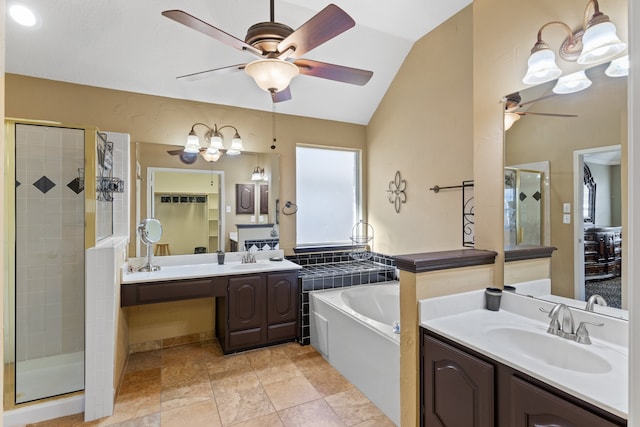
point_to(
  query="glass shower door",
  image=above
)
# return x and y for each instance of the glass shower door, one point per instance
(49, 261)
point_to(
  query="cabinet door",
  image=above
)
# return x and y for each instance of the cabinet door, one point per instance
(246, 302)
(457, 388)
(282, 297)
(531, 406)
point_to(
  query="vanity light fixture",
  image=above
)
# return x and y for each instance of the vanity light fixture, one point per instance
(571, 83)
(215, 149)
(258, 174)
(596, 41)
(618, 67)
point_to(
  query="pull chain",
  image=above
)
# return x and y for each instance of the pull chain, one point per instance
(273, 126)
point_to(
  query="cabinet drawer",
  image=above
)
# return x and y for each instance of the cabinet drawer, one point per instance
(246, 338)
(283, 331)
(159, 292)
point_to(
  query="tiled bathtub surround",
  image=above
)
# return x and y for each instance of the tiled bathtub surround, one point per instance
(328, 270)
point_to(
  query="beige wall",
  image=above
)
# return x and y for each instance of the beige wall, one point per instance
(167, 121)
(424, 129)
(164, 120)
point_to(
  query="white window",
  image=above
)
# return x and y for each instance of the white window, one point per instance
(327, 195)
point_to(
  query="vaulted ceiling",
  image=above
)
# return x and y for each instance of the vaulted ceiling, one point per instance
(128, 45)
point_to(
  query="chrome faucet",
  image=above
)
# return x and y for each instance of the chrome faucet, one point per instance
(249, 258)
(561, 321)
(562, 324)
(593, 300)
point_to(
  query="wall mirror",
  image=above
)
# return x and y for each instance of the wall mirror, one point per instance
(196, 200)
(578, 213)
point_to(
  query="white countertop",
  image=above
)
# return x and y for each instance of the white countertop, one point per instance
(463, 319)
(176, 267)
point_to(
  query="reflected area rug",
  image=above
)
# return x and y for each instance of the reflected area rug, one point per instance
(609, 289)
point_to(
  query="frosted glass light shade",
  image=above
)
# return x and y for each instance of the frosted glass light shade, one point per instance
(212, 155)
(619, 67)
(216, 142)
(193, 143)
(572, 83)
(542, 67)
(236, 146)
(272, 75)
(510, 119)
(599, 43)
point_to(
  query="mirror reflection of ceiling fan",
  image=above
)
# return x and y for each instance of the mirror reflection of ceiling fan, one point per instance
(513, 102)
(280, 49)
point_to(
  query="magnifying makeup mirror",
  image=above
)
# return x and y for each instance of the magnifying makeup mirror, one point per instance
(150, 232)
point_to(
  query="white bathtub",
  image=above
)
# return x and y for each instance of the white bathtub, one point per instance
(353, 329)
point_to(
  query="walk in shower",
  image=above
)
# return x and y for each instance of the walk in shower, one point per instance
(44, 295)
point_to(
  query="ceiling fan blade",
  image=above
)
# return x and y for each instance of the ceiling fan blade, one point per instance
(186, 158)
(537, 99)
(338, 73)
(546, 114)
(325, 25)
(204, 74)
(199, 25)
(283, 95)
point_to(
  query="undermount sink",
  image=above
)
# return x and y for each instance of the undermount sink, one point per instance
(249, 265)
(549, 349)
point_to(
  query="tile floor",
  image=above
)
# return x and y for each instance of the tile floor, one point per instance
(195, 385)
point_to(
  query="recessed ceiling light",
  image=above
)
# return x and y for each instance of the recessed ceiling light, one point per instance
(22, 15)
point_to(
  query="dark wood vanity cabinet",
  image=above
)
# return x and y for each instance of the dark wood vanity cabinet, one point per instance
(461, 388)
(260, 309)
(458, 388)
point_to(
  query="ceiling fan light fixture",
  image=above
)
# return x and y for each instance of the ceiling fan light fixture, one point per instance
(619, 67)
(572, 83)
(510, 119)
(272, 75)
(542, 67)
(193, 143)
(211, 155)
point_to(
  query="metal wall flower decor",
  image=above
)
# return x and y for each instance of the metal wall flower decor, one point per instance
(397, 194)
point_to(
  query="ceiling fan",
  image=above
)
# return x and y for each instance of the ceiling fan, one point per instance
(280, 49)
(513, 101)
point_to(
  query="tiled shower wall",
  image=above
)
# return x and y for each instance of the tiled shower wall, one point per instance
(49, 241)
(337, 269)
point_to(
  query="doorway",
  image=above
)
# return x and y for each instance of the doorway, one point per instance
(188, 205)
(597, 224)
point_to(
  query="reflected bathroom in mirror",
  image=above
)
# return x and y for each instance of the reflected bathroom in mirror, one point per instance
(555, 139)
(196, 199)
